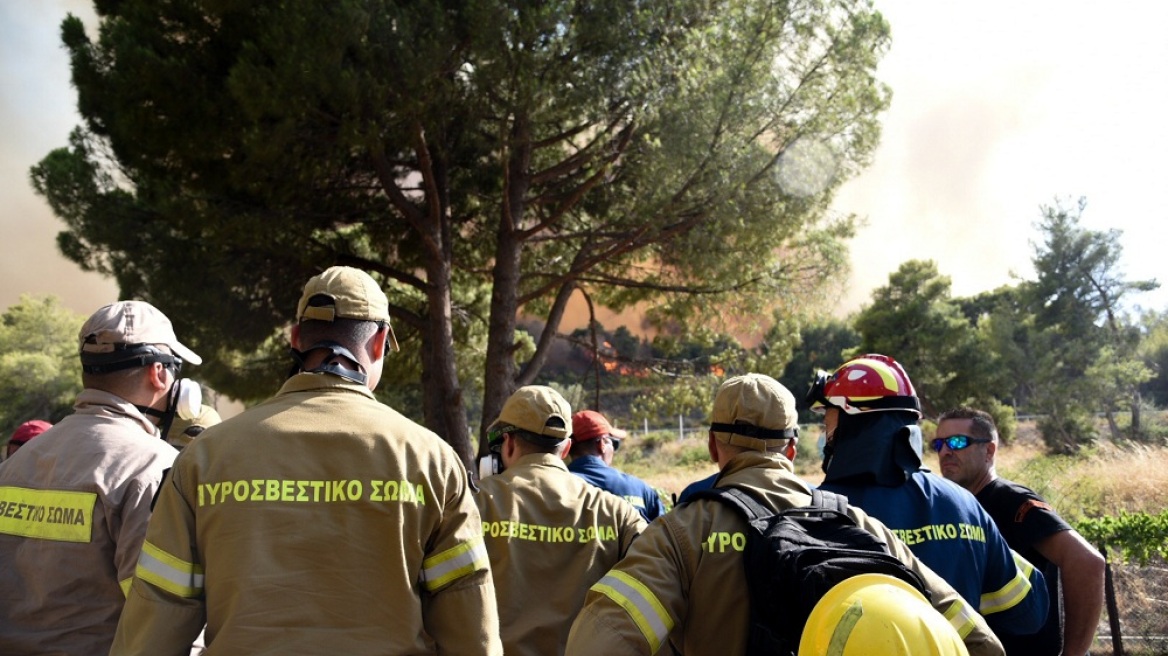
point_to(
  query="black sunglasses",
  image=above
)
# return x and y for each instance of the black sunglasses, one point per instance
(495, 437)
(957, 442)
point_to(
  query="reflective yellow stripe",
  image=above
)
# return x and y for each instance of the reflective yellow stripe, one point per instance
(47, 514)
(440, 570)
(126, 586)
(640, 603)
(172, 574)
(637, 502)
(847, 623)
(1012, 593)
(960, 616)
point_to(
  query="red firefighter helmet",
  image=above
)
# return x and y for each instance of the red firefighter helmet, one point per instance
(869, 383)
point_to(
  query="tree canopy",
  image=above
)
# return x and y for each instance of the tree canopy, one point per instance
(1061, 345)
(484, 159)
(914, 319)
(40, 374)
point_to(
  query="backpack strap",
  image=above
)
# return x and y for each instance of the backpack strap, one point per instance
(829, 500)
(749, 506)
(741, 500)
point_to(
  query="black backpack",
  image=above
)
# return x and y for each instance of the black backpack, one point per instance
(793, 557)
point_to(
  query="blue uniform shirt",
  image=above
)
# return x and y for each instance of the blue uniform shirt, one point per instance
(697, 486)
(948, 530)
(630, 488)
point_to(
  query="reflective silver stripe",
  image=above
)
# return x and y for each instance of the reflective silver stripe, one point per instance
(1012, 593)
(960, 616)
(640, 603)
(454, 564)
(172, 574)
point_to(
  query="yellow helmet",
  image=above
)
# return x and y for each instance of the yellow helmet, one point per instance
(877, 615)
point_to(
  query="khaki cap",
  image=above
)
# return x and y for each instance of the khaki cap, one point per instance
(754, 411)
(350, 293)
(532, 407)
(127, 323)
(182, 431)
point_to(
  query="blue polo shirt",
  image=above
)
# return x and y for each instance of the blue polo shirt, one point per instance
(630, 488)
(949, 531)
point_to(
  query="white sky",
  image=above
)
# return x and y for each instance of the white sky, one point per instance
(999, 107)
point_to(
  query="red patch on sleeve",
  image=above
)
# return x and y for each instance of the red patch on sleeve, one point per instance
(1025, 508)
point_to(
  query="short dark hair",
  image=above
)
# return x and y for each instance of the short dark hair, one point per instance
(981, 421)
(350, 333)
(585, 448)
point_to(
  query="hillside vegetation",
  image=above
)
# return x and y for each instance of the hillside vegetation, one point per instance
(1098, 481)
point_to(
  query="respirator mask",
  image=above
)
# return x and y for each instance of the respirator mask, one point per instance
(186, 400)
(491, 463)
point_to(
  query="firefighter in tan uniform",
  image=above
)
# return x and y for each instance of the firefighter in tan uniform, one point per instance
(74, 502)
(549, 534)
(683, 580)
(320, 521)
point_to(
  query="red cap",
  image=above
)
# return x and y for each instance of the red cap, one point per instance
(29, 430)
(589, 425)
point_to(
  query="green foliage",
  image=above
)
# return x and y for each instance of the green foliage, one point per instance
(1153, 349)
(1068, 430)
(821, 346)
(668, 397)
(1004, 418)
(574, 394)
(1083, 349)
(1135, 536)
(694, 455)
(914, 320)
(40, 375)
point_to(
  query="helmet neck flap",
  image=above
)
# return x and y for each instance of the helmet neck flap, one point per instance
(874, 448)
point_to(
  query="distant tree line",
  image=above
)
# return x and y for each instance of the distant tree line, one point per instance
(1067, 346)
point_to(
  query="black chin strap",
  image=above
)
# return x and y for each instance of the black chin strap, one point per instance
(166, 417)
(329, 366)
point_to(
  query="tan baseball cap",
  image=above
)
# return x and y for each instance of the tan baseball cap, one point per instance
(533, 408)
(182, 431)
(754, 411)
(127, 323)
(342, 292)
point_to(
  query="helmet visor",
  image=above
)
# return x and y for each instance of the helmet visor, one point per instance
(815, 398)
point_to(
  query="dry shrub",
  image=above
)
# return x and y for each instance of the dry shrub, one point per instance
(1098, 481)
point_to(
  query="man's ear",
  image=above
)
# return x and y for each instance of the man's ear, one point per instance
(294, 337)
(156, 375)
(792, 450)
(713, 447)
(991, 451)
(377, 348)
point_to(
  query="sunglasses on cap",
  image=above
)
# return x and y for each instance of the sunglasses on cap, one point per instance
(957, 442)
(495, 437)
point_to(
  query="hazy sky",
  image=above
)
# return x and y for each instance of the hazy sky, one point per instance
(999, 107)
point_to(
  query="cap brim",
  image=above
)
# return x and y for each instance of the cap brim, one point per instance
(185, 353)
(391, 339)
